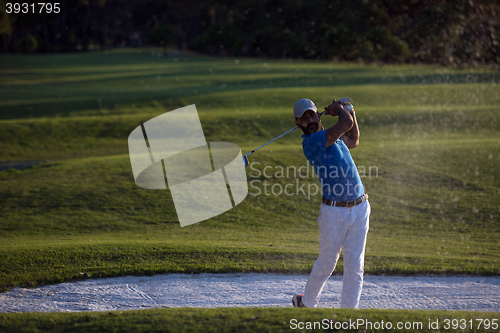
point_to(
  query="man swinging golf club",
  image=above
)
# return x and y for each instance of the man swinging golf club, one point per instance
(344, 214)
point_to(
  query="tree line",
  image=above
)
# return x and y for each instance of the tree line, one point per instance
(427, 31)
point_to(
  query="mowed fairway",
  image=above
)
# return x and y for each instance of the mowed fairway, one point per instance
(430, 136)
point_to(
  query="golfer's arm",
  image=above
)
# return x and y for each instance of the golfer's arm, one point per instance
(351, 137)
(344, 124)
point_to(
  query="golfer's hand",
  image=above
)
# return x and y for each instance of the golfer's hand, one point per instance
(333, 109)
(344, 101)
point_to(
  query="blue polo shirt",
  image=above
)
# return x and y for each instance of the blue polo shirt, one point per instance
(334, 166)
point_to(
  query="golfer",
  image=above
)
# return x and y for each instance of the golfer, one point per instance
(345, 211)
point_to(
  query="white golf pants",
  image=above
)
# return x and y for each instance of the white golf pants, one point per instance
(340, 227)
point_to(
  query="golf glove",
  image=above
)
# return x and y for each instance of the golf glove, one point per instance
(345, 103)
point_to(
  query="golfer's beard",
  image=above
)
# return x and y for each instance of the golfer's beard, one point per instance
(312, 128)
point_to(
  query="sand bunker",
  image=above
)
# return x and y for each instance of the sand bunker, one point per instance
(252, 290)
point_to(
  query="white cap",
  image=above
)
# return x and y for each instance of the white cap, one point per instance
(302, 106)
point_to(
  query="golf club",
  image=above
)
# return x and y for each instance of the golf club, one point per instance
(245, 158)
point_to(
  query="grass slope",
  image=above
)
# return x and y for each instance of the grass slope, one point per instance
(430, 136)
(252, 320)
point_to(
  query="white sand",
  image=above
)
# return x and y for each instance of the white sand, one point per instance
(251, 290)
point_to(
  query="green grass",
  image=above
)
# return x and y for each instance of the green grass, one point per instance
(430, 134)
(249, 320)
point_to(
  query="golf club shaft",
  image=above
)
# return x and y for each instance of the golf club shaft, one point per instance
(265, 144)
(276, 138)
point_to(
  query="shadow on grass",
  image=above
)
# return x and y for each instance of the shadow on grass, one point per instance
(18, 165)
(226, 78)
